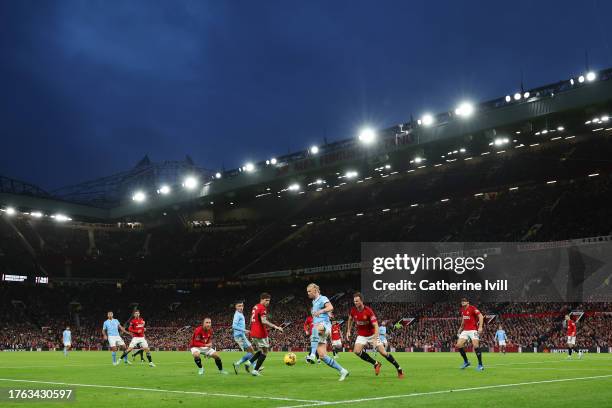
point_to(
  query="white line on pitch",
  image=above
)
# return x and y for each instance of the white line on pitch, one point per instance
(419, 394)
(210, 394)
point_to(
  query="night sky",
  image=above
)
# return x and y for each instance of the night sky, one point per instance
(89, 87)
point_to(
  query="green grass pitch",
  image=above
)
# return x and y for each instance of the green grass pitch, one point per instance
(432, 380)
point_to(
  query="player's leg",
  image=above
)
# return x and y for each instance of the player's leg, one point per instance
(314, 344)
(114, 354)
(125, 353)
(195, 352)
(359, 349)
(323, 333)
(460, 346)
(383, 352)
(147, 351)
(244, 344)
(215, 356)
(478, 352)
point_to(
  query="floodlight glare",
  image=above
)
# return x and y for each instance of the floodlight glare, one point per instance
(250, 167)
(138, 196)
(61, 218)
(465, 109)
(350, 174)
(418, 160)
(367, 136)
(500, 141)
(427, 119)
(526, 95)
(217, 175)
(581, 78)
(293, 187)
(165, 189)
(319, 181)
(190, 183)
(314, 149)
(10, 211)
(273, 160)
(508, 98)
(517, 96)
(590, 76)
(36, 214)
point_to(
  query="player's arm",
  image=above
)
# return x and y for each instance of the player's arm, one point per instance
(327, 309)
(349, 323)
(264, 320)
(480, 322)
(460, 327)
(124, 331)
(376, 331)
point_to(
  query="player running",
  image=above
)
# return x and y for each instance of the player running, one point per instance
(470, 330)
(382, 332)
(67, 340)
(321, 328)
(501, 339)
(110, 332)
(137, 329)
(240, 336)
(259, 332)
(571, 337)
(201, 343)
(336, 338)
(368, 334)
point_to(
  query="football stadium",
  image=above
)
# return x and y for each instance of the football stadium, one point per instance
(462, 256)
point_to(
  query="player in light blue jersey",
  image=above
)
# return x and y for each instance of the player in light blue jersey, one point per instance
(110, 332)
(382, 335)
(321, 328)
(240, 336)
(67, 340)
(501, 339)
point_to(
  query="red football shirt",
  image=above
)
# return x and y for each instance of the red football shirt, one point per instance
(335, 332)
(201, 337)
(258, 329)
(571, 328)
(136, 327)
(308, 324)
(364, 319)
(470, 317)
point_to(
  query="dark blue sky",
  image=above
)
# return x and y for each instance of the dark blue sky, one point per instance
(88, 87)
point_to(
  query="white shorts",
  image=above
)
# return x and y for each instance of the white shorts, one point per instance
(372, 340)
(571, 340)
(337, 343)
(67, 344)
(502, 343)
(469, 335)
(261, 343)
(114, 341)
(242, 342)
(207, 351)
(138, 342)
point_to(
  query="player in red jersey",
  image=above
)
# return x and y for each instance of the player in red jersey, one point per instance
(571, 337)
(336, 337)
(137, 329)
(201, 343)
(367, 334)
(471, 329)
(259, 332)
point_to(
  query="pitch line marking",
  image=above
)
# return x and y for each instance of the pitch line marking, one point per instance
(209, 394)
(419, 394)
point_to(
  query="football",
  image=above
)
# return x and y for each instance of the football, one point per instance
(289, 359)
